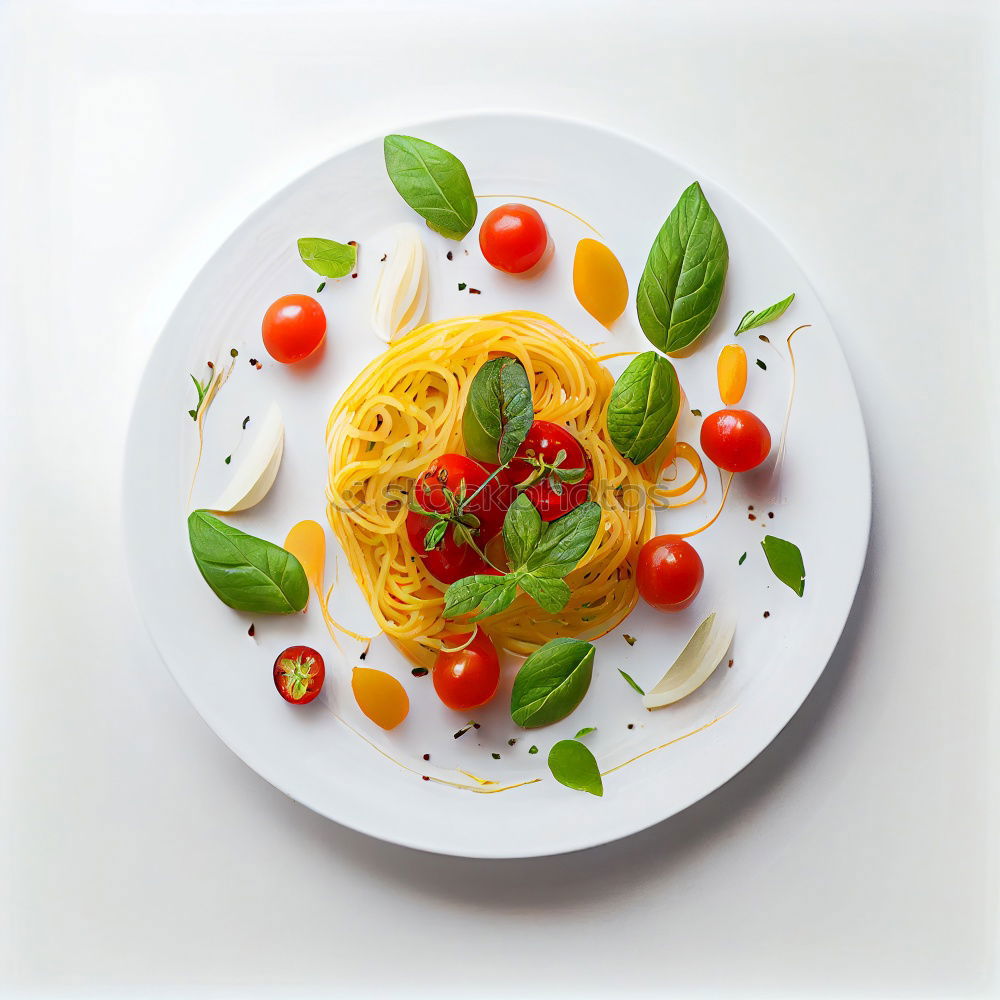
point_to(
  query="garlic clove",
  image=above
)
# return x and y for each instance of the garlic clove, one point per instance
(401, 292)
(256, 472)
(695, 664)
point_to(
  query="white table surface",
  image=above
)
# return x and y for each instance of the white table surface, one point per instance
(857, 856)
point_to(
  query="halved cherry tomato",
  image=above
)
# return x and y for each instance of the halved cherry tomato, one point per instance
(736, 440)
(299, 673)
(467, 678)
(465, 526)
(294, 326)
(513, 238)
(669, 573)
(553, 469)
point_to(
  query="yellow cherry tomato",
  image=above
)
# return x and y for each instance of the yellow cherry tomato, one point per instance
(599, 281)
(380, 696)
(732, 373)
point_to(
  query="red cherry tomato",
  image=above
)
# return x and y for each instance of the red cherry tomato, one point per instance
(669, 573)
(467, 678)
(299, 673)
(439, 489)
(550, 460)
(294, 326)
(513, 238)
(736, 440)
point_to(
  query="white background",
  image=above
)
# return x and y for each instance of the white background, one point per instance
(856, 856)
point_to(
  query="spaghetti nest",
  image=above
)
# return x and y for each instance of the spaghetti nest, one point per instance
(405, 409)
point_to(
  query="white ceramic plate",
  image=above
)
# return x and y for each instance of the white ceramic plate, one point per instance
(820, 500)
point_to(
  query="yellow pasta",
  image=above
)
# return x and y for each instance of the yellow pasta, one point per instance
(405, 409)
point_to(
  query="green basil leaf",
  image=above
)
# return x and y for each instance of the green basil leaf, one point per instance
(433, 182)
(498, 411)
(681, 285)
(522, 529)
(573, 765)
(489, 593)
(565, 541)
(551, 682)
(785, 561)
(631, 681)
(327, 257)
(643, 406)
(247, 573)
(552, 595)
(753, 319)
(586, 731)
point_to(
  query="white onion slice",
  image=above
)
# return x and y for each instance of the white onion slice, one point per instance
(695, 664)
(400, 298)
(255, 473)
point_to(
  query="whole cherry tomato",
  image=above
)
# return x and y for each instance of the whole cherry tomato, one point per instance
(552, 468)
(299, 673)
(467, 678)
(450, 536)
(669, 573)
(513, 238)
(735, 440)
(294, 326)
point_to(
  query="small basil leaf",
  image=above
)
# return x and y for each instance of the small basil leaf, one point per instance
(247, 573)
(552, 595)
(433, 182)
(573, 765)
(551, 682)
(491, 594)
(785, 561)
(643, 406)
(631, 681)
(522, 528)
(681, 284)
(498, 411)
(753, 319)
(565, 541)
(586, 731)
(434, 537)
(327, 257)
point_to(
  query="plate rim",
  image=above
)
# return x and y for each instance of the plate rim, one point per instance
(765, 736)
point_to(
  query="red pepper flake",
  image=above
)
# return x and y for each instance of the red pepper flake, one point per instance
(424, 777)
(210, 365)
(451, 256)
(631, 725)
(770, 513)
(253, 361)
(355, 274)
(427, 756)
(750, 506)
(250, 631)
(730, 663)
(475, 725)
(352, 243)
(752, 517)
(258, 366)
(475, 291)
(767, 614)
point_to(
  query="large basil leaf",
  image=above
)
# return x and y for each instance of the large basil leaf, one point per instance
(498, 411)
(433, 182)
(247, 573)
(643, 406)
(565, 541)
(327, 257)
(551, 682)
(785, 560)
(573, 765)
(681, 285)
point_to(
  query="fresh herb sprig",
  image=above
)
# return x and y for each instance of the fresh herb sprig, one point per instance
(540, 554)
(751, 320)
